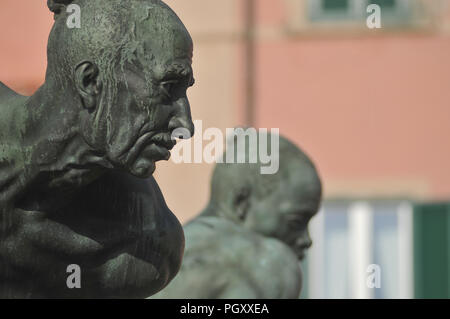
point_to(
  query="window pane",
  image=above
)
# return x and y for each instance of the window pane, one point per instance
(336, 251)
(388, 4)
(385, 248)
(335, 5)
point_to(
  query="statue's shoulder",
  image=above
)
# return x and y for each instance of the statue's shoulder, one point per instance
(6, 92)
(210, 232)
(10, 111)
(208, 225)
(278, 256)
(219, 235)
(224, 251)
(278, 270)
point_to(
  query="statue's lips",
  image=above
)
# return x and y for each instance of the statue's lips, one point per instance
(162, 142)
(300, 252)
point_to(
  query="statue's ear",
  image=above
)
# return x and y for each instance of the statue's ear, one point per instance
(88, 84)
(241, 202)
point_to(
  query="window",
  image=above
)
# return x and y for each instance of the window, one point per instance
(333, 5)
(384, 4)
(394, 12)
(333, 10)
(410, 242)
(348, 236)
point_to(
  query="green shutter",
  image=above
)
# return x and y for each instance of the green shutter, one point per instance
(432, 250)
(333, 5)
(384, 4)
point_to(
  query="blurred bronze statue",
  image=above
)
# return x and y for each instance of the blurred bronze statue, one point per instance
(248, 241)
(77, 157)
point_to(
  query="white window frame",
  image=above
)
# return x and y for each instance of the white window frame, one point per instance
(360, 250)
(307, 17)
(357, 11)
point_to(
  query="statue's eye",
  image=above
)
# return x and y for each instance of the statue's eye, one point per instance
(168, 87)
(297, 221)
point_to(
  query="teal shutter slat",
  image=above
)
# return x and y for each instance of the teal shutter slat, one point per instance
(432, 250)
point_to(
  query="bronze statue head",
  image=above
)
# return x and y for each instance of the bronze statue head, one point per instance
(278, 205)
(124, 74)
(76, 155)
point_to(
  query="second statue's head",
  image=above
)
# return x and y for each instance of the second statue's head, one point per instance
(126, 68)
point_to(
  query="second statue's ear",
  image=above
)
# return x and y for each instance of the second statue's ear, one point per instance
(88, 84)
(242, 202)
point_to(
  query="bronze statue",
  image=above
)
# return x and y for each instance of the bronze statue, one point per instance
(248, 241)
(77, 157)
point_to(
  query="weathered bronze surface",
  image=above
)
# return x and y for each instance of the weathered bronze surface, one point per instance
(77, 157)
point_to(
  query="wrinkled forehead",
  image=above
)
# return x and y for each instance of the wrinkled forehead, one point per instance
(163, 39)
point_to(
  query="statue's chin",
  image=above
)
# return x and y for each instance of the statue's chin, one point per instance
(143, 168)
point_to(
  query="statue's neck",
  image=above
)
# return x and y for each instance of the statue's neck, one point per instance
(50, 130)
(217, 210)
(47, 154)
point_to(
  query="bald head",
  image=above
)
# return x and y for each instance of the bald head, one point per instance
(276, 205)
(123, 77)
(113, 33)
(293, 163)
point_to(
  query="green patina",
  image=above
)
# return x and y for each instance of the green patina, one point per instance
(77, 157)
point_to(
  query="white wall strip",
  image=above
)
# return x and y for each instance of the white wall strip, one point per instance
(405, 251)
(316, 258)
(360, 251)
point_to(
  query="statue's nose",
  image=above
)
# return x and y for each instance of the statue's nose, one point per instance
(182, 119)
(304, 241)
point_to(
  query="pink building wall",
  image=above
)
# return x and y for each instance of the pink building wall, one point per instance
(24, 28)
(370, 108)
